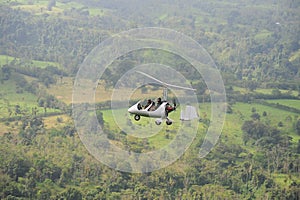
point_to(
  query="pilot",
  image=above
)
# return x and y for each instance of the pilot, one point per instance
(149, 102)
(139, 106)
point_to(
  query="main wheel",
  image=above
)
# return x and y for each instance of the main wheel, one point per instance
(137, 117)
(168, 122)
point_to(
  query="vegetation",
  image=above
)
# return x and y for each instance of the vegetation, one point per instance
(255, 45)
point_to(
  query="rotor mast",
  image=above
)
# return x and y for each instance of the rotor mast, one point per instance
(165, 94)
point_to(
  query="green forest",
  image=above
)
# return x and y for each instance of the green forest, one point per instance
(256, 47)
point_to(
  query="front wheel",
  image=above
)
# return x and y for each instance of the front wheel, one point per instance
(158, 122)
(137, 117)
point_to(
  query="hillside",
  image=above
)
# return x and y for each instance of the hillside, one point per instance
(254, 44)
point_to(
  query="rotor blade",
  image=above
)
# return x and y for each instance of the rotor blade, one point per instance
(166, 84)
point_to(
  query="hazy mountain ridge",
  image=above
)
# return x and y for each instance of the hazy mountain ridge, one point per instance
(242, 37)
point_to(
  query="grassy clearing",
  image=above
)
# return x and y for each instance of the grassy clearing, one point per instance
(163, 17)
(269, 91)
(97, 11)
(69, 5)
(6, 127)
(4, 59)
(263, 35)
(8, 92)
(287, 102)
(240, 89)
(56, 121)
(243, 111)
(62, 90)
(283, 179)
(25, 100)
(9, 99)
(274, 116)
(263, 91)
(295, 56)
(44, 64)
(40, 7)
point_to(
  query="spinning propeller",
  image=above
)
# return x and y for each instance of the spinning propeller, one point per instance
(166, 85)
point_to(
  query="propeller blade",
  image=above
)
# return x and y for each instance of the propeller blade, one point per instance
(166, 84)
(174, 103)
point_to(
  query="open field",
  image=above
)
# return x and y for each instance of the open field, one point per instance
(243, 111)
(41, 7)
(264, 91)
(6, 127)
(269, 91)
(11, 101)
(4, 59)
(273, 117)
(287, 102)
(57, 121)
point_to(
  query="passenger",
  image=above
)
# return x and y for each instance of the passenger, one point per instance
(152, 108)
(159, 102)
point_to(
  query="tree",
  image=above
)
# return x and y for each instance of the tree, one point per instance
(5, 73)
(255, 116)
(251, 85)
(17, 109)
(297, 127)
(298, 147)
(265, 114)
(17, 167)
(276, 92)
(99, 115)
(71, 194)
(44, 194)
(254, 129)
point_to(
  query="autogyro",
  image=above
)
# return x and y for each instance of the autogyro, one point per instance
(161, 109)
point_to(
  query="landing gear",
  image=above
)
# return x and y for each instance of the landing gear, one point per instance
(169, 122)
(158, 121)
(137, 117)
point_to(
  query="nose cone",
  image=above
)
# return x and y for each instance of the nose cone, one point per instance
(131, 109)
